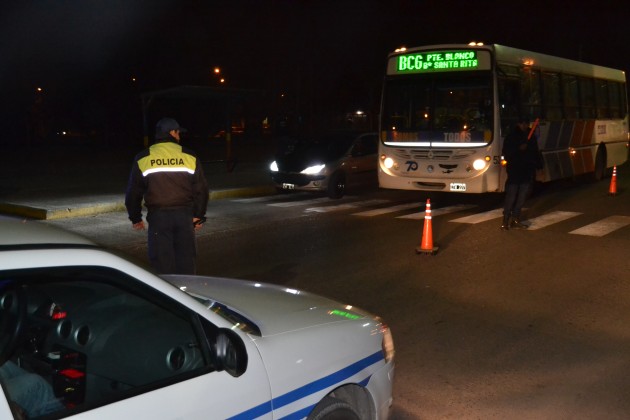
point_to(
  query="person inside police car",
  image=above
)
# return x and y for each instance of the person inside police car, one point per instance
(521, 154)
(170, 179)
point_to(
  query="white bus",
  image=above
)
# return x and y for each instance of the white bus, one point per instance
(446, 109)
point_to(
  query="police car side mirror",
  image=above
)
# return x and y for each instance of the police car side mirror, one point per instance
(230, 353)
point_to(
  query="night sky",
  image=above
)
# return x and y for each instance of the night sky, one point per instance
(87, 51)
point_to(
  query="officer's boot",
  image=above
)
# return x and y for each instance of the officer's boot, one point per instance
(506, 223)
(517, 224)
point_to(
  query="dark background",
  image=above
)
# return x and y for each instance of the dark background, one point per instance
(309, 62)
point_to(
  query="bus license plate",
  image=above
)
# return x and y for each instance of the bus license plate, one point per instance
(458, 186)
(288, 186)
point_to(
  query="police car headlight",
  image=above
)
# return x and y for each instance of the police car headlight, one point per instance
(479, 164)
(274, 166)
(313, 170)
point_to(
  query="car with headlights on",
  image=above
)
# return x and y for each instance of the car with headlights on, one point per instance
(87, 334)
(328, 163)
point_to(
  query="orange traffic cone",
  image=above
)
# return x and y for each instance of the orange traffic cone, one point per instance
(613, 182)
(426, 247)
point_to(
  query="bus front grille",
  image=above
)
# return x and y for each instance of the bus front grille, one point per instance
(433, 154)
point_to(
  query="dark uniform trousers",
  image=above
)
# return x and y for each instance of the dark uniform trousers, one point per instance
(171, 241)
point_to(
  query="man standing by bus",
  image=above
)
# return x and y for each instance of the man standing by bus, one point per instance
(170, 178)
(520, 150)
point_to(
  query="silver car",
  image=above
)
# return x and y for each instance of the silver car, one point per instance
(329, 164)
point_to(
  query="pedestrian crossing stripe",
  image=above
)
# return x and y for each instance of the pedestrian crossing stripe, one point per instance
(300, 203)
(339, 207)
(604, 226)
(438, 212)
(550, 218)
(386, 210)
(480, 217)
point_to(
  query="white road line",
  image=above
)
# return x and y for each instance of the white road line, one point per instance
(275, 197)
(256, 199)
(604, 226)
(328, 209)
(300, 203)
(549, 219)
(480, 217)
(385, 210)
(438, 212)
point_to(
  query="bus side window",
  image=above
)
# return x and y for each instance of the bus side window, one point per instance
(552, 101)
(587, 98)
(601, 93)
(508, 102)
(530, 93)
(570, 96)
(615, 99)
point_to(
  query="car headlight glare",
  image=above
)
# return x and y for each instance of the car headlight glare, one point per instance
(274, 166)
(313, 170)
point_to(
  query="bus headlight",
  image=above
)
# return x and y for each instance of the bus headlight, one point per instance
(479, 164)
(274, 166)
(388, 163)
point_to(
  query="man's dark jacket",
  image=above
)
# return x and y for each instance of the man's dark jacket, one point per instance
(166, 175)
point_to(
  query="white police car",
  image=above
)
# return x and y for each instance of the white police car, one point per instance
(89, 335)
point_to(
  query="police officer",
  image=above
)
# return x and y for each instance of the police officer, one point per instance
(171, 181)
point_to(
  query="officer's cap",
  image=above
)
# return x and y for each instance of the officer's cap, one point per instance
(165, 126)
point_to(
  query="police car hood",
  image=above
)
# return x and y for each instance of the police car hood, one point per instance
(274, 309)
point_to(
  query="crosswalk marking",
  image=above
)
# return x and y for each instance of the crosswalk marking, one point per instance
(550, 218)
(438, 212)
(339, 207)
(385, 210)
(324, 205)
(256, 199)
(480, 217)
(301, 203)
(604, 226)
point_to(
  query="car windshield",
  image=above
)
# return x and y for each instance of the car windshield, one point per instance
(332, 145)
(433, 106)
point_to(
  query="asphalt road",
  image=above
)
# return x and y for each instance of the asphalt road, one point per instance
(520, 324)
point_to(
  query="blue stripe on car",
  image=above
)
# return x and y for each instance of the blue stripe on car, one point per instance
(311, 388)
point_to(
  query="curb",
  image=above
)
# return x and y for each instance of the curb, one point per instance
(52, 212)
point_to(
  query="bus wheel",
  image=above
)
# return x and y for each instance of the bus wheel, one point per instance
(600, 164)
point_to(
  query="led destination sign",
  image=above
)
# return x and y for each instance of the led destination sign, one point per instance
(420, 62)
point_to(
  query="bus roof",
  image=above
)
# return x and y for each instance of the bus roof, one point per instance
(515, 56)
(509, 55)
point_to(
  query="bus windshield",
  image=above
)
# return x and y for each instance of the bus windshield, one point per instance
(438, 107)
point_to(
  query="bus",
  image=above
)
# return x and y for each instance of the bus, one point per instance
(446, 109)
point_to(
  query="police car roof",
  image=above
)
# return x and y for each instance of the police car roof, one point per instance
(17, 232)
